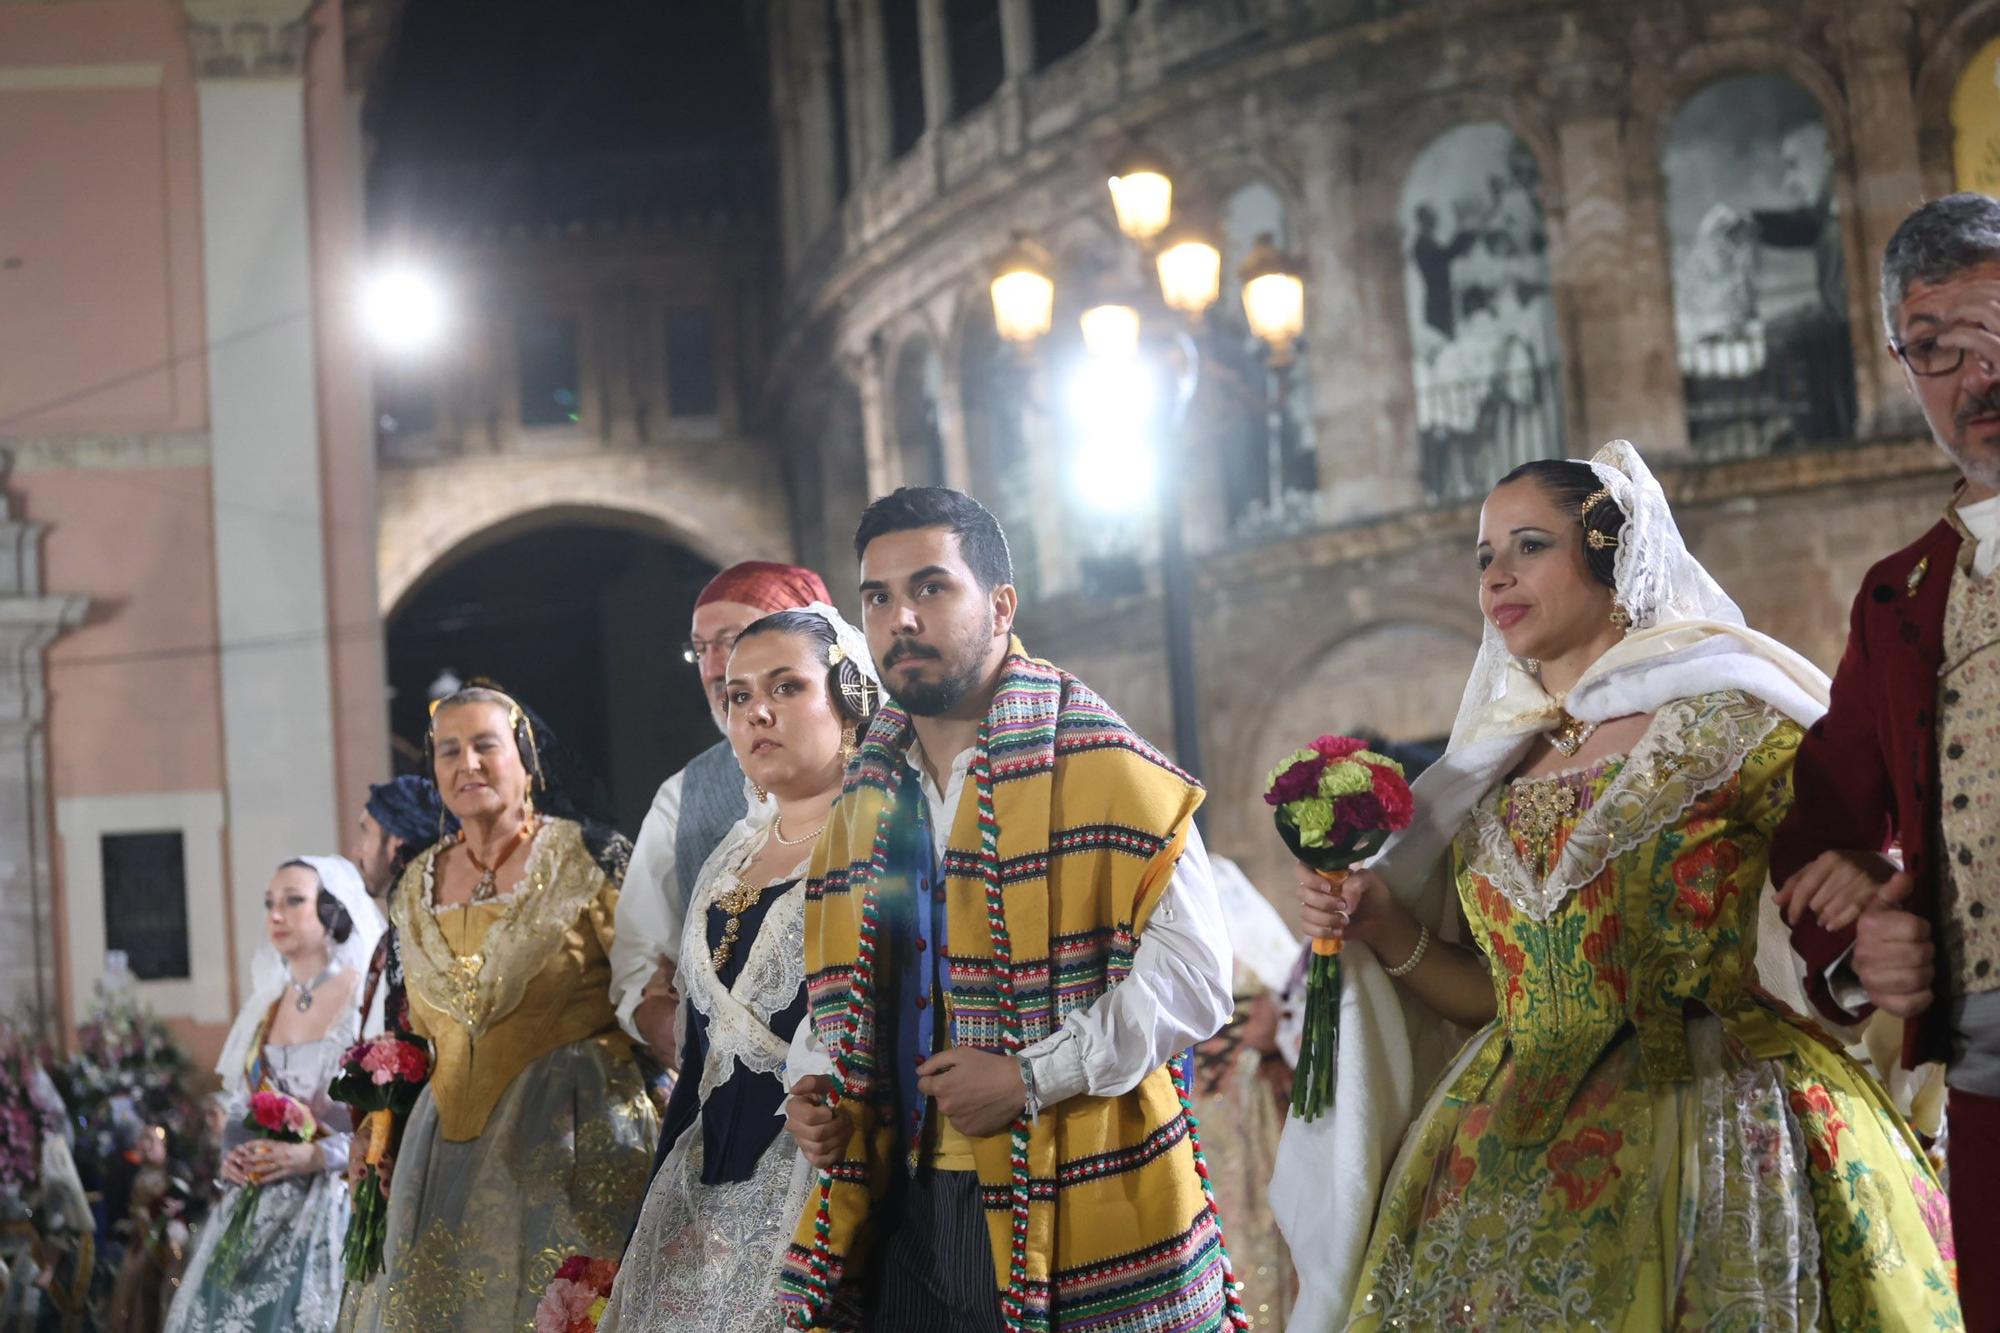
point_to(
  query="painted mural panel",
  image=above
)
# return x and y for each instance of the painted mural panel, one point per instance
(1759, 269)
(1975, 123)
(1482, 320)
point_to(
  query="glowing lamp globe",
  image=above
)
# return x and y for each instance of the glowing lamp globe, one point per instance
(1274, 297)
(1024, 295)
(1111, 331)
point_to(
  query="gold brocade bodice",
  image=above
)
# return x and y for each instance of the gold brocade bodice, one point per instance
(1623, 897)
(497, 985)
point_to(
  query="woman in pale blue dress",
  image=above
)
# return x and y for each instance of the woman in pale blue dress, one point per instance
(302, 1015)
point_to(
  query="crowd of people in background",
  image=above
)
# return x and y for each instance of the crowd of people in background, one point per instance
(966, 1028)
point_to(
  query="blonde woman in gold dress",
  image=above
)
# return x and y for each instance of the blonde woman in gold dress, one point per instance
(533, 1140)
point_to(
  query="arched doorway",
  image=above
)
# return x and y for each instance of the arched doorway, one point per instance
(581, 619)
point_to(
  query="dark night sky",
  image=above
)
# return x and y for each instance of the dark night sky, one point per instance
(489, 80)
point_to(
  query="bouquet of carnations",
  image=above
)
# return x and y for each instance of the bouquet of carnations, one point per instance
(380, 1080)
(272, 1115)
(575, 1298)
(1336, 802)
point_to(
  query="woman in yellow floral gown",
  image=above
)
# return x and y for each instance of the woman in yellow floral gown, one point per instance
(1637, 1137)
(534, 1138)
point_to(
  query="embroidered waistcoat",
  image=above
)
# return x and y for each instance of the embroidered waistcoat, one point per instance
(1968, 711)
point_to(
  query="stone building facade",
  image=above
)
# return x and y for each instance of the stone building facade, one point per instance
(1524, 226)
(192, 689)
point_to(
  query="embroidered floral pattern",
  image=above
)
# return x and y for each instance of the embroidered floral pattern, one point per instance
(1635, 1120)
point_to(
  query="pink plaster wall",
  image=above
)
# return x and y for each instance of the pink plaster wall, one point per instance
(134, 700)
(347, 443)
(100, 226)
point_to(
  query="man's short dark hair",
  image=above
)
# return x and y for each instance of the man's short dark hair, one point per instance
(980, 539)
(1938, 241)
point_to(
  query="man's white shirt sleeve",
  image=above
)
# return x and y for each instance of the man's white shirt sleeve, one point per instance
(649, 907)
(1177, 994)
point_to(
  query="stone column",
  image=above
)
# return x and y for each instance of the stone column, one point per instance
(1110, 13)
(870, 373)
(29, 621)
(934, 41)
(1609, 264)
(1017, 56)
(1887, 173)
(792, 235)
(867, 87)
(271, 573)
(1364, 425)
(812, 73)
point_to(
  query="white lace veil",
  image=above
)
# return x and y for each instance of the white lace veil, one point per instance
(268, 976)
(1674, 605)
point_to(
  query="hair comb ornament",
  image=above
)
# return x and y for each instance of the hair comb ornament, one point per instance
(1593, 538)
(836, 655)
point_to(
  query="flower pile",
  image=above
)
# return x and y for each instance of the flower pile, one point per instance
(1335, 802)
(272, 1115)
(28, 1113)
(380, 1079)
(575, 1298)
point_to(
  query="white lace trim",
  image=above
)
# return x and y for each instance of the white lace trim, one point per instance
(1691, 747)
(739, 1016)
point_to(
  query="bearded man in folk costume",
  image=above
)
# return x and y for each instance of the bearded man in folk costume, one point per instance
(1011, 933)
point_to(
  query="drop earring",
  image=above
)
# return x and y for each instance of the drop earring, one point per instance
(762, 795)
(1620, 616)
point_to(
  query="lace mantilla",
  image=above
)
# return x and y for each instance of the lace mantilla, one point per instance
(1691, 747)
(739, 1016)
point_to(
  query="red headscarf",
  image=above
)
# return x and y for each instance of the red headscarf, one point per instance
(766, 585)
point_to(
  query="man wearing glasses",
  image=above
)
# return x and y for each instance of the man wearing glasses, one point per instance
(1909, 754)
(694, 809)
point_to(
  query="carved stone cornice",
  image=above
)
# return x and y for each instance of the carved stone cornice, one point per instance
(248, 39)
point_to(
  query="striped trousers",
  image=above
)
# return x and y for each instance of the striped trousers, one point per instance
(934, 1267)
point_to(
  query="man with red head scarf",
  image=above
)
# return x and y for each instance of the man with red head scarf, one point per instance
(694, 808)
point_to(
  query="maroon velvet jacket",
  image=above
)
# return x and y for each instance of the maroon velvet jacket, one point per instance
(1867, 773)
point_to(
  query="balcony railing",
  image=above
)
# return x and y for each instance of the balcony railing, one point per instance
(1473, 432)
(1774, 388)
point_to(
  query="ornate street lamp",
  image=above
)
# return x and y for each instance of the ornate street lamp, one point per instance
(1274, 298)
(1189, 268)
(1024, 295)
(1142, 195)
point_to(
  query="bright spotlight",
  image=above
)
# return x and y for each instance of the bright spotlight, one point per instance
(1113, 404)
(403, 309)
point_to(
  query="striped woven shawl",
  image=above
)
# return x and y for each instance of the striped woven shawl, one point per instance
(1066, 840)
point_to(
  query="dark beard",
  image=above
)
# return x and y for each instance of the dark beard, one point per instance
(933, 698)
(921, 699)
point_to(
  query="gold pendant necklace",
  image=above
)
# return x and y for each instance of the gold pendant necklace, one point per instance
(1570, 734)
(735, 902)
(488, 886)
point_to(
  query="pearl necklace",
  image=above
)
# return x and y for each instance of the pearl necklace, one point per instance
(778, 832)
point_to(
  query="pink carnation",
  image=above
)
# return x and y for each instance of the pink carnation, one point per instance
(1331, 748)
(1394, 794)
(563, 1303)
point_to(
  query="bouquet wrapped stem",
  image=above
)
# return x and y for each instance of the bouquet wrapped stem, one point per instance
(382, 1079)
(1312, 1088)
(272, 1115)
(1335, 803)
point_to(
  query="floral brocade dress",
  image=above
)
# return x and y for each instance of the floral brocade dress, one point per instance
(1641, 1140)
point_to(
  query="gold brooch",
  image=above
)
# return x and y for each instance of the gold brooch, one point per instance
(1916, 577)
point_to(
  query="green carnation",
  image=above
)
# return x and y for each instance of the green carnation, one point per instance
(1345, 778)
(1313, 819)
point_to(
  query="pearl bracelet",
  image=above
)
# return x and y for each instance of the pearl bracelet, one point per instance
(1409, 964)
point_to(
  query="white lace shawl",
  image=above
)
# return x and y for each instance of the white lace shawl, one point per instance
(739, 1017)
